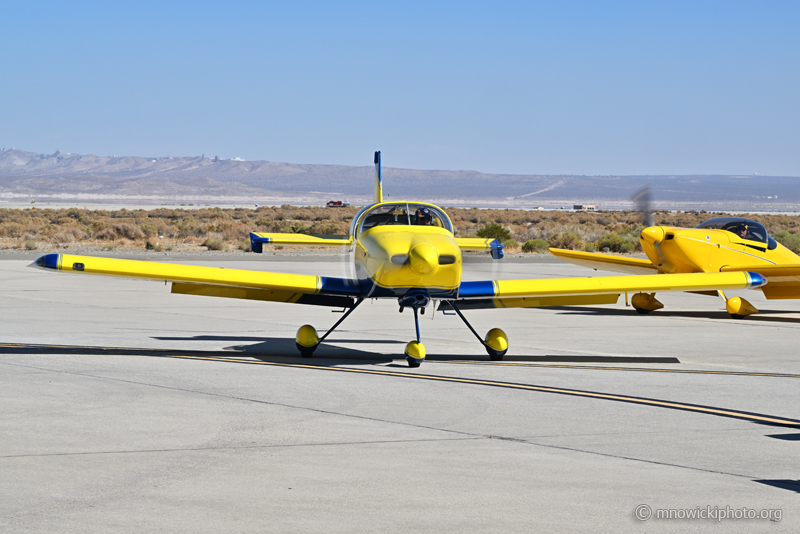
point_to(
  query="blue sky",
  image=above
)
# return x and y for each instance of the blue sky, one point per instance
(547, 87)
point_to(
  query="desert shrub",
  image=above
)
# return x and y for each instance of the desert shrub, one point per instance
(788, 239)
(612, 242)
(291, 227)
(97, 226)
(13, 229)
(494, 231)
(128, 230)
(535, 245)
(30, 244)
(149, 229)
(62, 238)
(214, 244)
(328, 228)
(590, 247)
(106, 233)
(511, 244)
(189, 226)
(566, 240)
(244, 245)
(149, 245)
(627, 248)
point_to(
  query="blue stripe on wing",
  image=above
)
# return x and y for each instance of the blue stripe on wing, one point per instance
(473, 290)
(339, 286)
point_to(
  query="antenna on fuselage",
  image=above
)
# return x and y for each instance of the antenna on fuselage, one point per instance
(378, 183)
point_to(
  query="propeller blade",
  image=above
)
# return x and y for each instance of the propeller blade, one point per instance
(643, 198)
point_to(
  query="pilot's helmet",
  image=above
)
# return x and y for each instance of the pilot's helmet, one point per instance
(424, 216)
(742, 229)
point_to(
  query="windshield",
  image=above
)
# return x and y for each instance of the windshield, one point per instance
(406, 214)
(742, 228)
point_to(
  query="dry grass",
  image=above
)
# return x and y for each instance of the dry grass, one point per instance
(228, 229)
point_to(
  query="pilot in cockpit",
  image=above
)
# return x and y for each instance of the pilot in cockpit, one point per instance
(742, 231)
(424, 217)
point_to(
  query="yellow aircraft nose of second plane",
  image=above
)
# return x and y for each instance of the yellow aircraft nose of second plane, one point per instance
(423, 258)
(653, 235)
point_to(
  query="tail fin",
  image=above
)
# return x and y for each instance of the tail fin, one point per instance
(378, 183)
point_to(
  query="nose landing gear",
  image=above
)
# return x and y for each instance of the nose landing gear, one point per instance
(416, 300)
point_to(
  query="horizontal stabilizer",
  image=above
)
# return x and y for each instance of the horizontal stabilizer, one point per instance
(258, 240)
(480, 243)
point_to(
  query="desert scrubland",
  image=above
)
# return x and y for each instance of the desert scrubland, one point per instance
(228, 229)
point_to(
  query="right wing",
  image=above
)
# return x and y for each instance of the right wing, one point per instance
(597, 290)
(216, 281)
(606, 262)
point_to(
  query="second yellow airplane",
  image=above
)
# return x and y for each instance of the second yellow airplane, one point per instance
(719, 245)
(402, 250)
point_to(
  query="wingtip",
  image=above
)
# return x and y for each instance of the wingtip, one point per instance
(756, 280)
(48, 261)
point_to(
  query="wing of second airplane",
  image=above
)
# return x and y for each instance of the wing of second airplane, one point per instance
(606, 262)
(216, 281)
(593, 290)
(784, 280)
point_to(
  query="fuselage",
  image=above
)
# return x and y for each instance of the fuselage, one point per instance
(397, 250)
(693, 250)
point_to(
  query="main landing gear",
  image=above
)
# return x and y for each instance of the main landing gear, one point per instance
(307, 339)
(645, 303)
(737, 307)
(495, 342)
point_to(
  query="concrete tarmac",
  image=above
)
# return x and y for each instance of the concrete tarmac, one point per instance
(124, 408)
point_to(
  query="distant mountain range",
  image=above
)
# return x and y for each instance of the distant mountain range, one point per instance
(90, 178)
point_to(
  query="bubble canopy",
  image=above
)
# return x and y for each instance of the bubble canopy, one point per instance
(405, 214)
(741, 227)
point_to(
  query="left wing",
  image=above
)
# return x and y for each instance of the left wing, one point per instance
(598, 290)
(216, 281)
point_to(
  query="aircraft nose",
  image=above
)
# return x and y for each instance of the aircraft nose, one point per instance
(423, 258)
(653, 235)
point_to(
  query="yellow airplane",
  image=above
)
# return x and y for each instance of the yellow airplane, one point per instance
(719, 245)
(402, 250)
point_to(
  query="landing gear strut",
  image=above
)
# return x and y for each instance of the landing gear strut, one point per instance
(496, 341)
(415, 350)
(307, 339)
